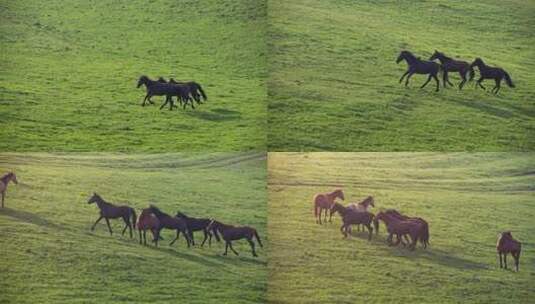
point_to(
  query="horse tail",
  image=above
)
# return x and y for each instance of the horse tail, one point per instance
(202, 92)
(134, 218)
(257, 238)
(471, 73)
(508, 80)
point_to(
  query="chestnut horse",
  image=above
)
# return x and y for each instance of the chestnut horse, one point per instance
(324, 201)
(4, 181)
(362, 206)
(233, 233)
(507, 244)
(111, 211)
(148, 221)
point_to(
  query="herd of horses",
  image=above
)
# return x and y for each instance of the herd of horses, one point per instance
(447, 64)
(407, 230)
(155, 220)
(185, 92)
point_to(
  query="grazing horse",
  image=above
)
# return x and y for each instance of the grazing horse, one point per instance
(198, 224)
(451, 65)
(362, 206)
(231, 233)
(157, 88)
(488, 72)
(418, 66)
(352, 217)
(194, 89)
(148, 221)
(398, 227)
(169, 222)
(324, 201)
(111, 211)
(507, 244)
(4, 181)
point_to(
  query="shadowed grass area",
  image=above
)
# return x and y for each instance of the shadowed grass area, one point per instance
(50, 255)
(466, 198)
(334, 82)
(69, 74)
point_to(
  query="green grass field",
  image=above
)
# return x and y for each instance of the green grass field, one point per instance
(466, 198)
(49, 255)
(334, 82)
(69, 75)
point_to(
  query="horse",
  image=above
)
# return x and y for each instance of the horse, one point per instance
(398, 227)
(451, 65)
(198, 224)
(157, 88)
(424, 240)
(111, 211)
(507, 244)
(351, 217)
(179, 98)
(362, 206)
(337, 207)
(194, 88)
(148, 221)
(231, 233)
(4, 181)
(418, 66)
(488, 72)
(325, 201)
(169, 222)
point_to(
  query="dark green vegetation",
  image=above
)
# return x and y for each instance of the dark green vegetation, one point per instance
(49, 255)
(69, 71)
(334, 81)
(466, 198)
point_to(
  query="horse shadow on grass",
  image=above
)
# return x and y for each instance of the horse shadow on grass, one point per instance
(30, 218)
(487, 108)
(216, 115)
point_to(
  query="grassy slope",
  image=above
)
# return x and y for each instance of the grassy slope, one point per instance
(69, 73)
(467, 199)
(334, 80)
(49, 254)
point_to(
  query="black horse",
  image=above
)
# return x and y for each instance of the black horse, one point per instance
(418, 66)
(194, 88)
(157, 88)
(169, 222)
(198, 224)
(488, 72)
(451, 65)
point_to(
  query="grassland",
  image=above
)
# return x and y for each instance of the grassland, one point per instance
(466, 198)
(334, 82)
(49, 255)
(69, 72)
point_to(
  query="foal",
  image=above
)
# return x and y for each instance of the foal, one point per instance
(233, 233)
(488, 72)
(198, 224)
(451, 65)
(4, 181)
(148, 221)
(418, 66)
(324, 201)
(111, 211)
(169, 222)
(507, 244)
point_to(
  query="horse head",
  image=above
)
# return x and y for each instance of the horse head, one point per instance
(13, 177)
(436, 55)
(371, 201)
(477, 62)
(339, 193)
(94, 198)
(142, 80)
(402, 56)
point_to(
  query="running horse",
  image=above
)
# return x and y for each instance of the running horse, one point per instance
(488, 72)
(4, 181)
(418, 66)
(507, 244)
(324, 201)
(231, 233)
(452, 65)
(111, 211)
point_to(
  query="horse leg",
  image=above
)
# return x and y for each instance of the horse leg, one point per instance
(151, 102)
(191, 238)
(92, 227)
(163, 105)
(370, 230)
(205, 238)
(3, 194)
(109, 226)
(445, 78)
(438, 83)
(140, 236)
(463, 76)
(325, 217)
(176, 238)
(342, 230)
(427, 81)
(407, 79)
(498, 85)
(231, 248)
(226, 247)
(330, 216)
(500, 257)
(126, 224)
(478, 83)
(252, 247)
(448, 79)
(319, 218)
(144, 100)
(186, 236)
(517, 259)
(403, 76)
(505, 259)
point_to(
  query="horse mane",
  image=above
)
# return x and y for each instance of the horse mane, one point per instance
(180, 214)
(157, 211)
(369, 198)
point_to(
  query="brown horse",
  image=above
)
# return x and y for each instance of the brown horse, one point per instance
(148, 221)
(362, 206)
(399, 228)
(232, 233)
(324, 201)
(507, 244)
(424, 240)
(352, 217)
(4, 181)
(170, 222)
(111, 211)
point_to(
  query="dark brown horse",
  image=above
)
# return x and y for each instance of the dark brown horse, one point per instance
(111, 211)
(148, 221)
(418, 66)
(324, 201)
(231, 233)
(395, 226)
(364, 205)
(170, 222)
(352, 217)
(157, 88)
(488, 72)
(198, 224)
(424, 240)
(507, 244)
(4, 181)
(194, 89)
(452, 65)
